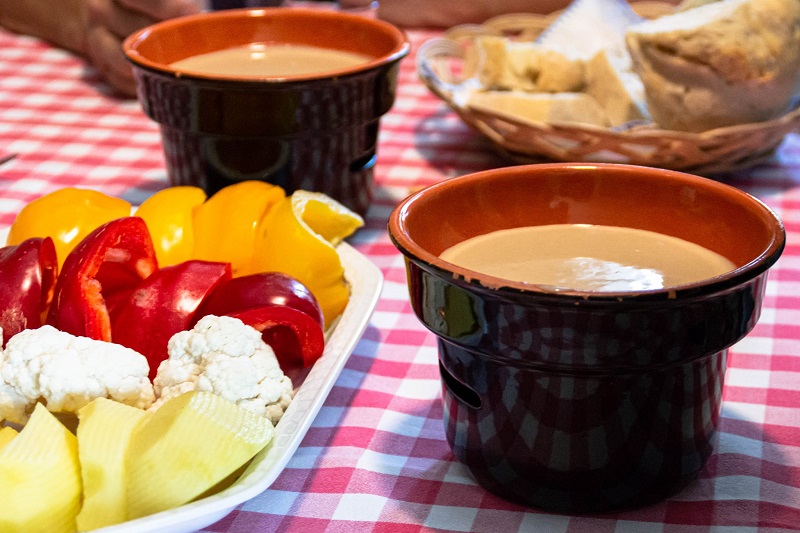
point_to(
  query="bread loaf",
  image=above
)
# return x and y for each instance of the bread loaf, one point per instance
(719, 64)
(548, 108)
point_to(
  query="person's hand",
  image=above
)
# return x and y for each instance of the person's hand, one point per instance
(109, 22)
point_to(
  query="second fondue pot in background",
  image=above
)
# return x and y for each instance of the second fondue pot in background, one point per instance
(315, 131)
(581, 401)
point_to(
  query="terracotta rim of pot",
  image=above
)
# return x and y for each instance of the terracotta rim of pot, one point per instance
(157, 46)
(403, 218)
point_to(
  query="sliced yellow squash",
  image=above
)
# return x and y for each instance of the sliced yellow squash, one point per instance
(189, 445)
(40, 478)
(7, 434)
(104, 433)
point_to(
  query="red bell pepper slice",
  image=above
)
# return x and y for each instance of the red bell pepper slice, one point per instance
(164, 304)
(293, 335)
(104, 267)
(280, 307)
(258, 290)
(28, 274)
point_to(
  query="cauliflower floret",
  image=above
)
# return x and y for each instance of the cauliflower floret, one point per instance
(66, 372)
(13, 406)
(224, 356)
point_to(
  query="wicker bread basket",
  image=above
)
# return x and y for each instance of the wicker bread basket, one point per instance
(441, 64)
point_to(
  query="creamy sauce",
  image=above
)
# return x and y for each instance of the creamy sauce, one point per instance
(267, 60)
(588, 257)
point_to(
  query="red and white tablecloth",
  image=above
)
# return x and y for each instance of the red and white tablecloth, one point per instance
(375, 458)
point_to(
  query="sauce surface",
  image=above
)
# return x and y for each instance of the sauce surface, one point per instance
(267, 60)
(588, 258)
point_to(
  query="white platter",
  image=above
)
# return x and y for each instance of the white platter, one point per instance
(366, 281)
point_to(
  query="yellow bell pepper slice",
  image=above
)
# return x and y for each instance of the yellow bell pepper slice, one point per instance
(225, 226)
(66, 215)
(299, 238)
(168, 214)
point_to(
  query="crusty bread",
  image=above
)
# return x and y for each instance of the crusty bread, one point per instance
(505, 64)
(548, 108)
(719, 64)
(611, 81)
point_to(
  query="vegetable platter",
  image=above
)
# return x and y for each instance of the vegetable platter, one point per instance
(186, 327)
(365, 281)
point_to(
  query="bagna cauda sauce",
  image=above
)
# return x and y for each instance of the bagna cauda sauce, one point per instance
(588, 258)
(270, 60)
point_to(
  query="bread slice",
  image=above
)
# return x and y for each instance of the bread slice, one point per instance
(511, 65)
(719, 64)
(547, 108)
(611, 81)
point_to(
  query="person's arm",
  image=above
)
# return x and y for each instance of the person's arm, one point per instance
(93, 28)
(59, 22)
(446, 13)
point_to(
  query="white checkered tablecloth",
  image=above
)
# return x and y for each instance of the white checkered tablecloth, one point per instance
(375, 458)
